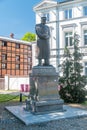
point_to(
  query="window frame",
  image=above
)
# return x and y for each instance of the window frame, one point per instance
(17, 58)
(85, 10)
(68, 13)
(4, 57)
(17, 45)
(17, 66)
(84, 36)
(68, 36)
(4, 65)
(4, 43)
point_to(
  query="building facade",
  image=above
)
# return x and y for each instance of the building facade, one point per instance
(64, 19)
(15, 57)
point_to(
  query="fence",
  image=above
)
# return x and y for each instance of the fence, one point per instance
(2, 83)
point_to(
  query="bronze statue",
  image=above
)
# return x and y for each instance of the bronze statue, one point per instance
(43, 35)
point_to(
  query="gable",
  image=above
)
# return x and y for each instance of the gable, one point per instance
(45, 4)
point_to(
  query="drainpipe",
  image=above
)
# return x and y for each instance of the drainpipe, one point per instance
(57, 40)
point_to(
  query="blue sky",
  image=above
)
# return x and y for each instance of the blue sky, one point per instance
(17, 16)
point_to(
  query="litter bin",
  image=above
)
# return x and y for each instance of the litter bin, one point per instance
(22, 87)
(27, 88)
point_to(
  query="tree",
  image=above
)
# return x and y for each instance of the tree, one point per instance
(73, 82)
(29, 37)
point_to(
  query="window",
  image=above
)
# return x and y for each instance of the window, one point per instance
(17, 66)
(29, 48)
(4, 65)
(4, 57)
(85, 37)
(4, 43)
(86, 68)
(47, 16)
(68, 39)
(68, 14)
(85, 10)
(17, 58)
(17, 45)
(29, 67)
(29, 59)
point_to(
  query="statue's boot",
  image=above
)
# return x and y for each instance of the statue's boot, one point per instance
(46, 62)
(39, 62)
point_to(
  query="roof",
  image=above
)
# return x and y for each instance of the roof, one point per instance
(15, 40)
(64, 1)
(44, 4)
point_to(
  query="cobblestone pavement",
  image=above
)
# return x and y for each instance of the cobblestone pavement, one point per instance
(10, 122)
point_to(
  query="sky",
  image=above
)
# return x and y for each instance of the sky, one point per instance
(17, 16)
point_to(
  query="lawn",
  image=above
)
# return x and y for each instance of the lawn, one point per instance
(16, 98)
(9, 97)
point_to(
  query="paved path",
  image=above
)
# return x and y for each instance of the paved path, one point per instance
(10, 122)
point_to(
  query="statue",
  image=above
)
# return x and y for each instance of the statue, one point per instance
(43, 35)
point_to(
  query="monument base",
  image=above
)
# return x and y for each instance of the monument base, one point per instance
(42, 107)
(44, 95)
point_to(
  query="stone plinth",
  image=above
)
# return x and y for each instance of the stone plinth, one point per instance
(44, 90)
(48, 106)
(43, 70)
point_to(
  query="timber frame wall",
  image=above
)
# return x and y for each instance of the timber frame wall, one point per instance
(15, 58)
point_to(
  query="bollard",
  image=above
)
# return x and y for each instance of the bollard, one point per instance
(20, 97)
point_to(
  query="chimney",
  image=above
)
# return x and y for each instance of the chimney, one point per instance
(12, 35)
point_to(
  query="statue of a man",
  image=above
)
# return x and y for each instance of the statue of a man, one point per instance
(43, 35)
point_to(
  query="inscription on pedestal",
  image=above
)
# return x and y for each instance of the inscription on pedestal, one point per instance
(47, 87)
(46, 80)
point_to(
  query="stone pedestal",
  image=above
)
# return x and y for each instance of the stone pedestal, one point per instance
(44, 90)
(42, 107)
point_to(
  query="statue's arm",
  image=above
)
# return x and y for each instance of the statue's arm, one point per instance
(42, 35)
(47, 36)
(39, 34)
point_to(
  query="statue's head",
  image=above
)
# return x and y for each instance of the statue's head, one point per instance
(43, 20)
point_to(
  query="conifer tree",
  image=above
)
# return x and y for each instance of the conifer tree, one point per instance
(73, 82)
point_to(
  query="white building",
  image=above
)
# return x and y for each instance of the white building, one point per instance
(64, 19)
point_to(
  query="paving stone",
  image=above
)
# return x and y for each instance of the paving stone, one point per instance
(29, 119)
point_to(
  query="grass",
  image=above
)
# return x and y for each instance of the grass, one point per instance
(9, 97)
(16, 98)
(84, 103)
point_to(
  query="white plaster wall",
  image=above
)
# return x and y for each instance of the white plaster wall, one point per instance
(77, 11)
(14, 83)
(53, 35)
(60, 25)
(52, 14)
(34, 54)
(80, 25)
(38, 17)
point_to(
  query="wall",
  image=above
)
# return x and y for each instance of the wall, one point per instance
(2, 83)
(14, 82)
(18, 58)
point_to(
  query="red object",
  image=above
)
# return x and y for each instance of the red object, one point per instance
(27, 88)
(22, 87)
